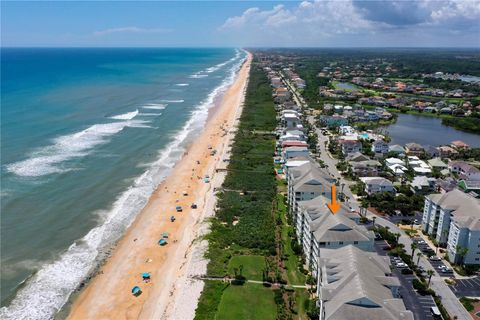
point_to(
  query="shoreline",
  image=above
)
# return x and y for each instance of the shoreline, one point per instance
(108, 294)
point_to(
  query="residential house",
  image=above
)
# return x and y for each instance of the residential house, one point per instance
(380, 148)
(459, 145)
(422, 184)
(378, 184)
(367, 168)
(446, 151)
(350, 146)
(353, 284)
(469, 186)
(464, 170)
(414, 149)
(437, 163)
(294, 152)
(356, 157)
(396, 148)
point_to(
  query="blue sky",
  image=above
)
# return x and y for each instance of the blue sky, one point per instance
(345, 23)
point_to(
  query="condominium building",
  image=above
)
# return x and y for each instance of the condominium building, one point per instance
(318, 228)
(453, 218)
(354, 284)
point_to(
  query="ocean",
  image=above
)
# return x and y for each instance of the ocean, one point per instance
(86, 136)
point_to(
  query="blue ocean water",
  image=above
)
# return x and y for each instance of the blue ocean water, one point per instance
(86, 136)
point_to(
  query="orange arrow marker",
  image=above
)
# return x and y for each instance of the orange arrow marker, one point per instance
(334, 206)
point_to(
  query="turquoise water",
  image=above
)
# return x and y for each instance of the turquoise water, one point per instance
(87, 135)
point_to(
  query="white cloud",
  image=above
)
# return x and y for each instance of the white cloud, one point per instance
(456, 9)
(128, 30)
(333, 17)
(356, 23)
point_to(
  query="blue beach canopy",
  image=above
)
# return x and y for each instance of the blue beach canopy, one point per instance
(146, 275)
(136, 290)
(162, 242)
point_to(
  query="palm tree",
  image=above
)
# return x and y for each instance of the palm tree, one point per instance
(419, 254)
(461, 252)
(430, 274)
(414, 247)
(397, 236)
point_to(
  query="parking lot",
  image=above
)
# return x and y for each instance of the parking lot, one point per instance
(418, 304)
(467, 287)
(438, 265)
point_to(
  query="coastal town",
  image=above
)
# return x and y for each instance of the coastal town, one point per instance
(410, 212)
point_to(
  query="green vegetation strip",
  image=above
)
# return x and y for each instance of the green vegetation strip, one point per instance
(244, 224)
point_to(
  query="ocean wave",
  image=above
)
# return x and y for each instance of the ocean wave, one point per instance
(173, 101)
(126, 116)
(197, 76)
(155, 106)
(182, 84)
(49, 289)
(49, 159)
(149, 114)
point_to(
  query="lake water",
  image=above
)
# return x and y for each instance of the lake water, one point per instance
(427, 131)
(345, 86)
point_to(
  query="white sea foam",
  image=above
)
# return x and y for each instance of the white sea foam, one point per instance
(48, 290)
(173, 101)
(155, 106)
(126, 116)
(150, 114)
(49, 159)
(182, 84)
(198, 76)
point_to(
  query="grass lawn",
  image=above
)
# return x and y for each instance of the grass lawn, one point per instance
(294, 276)
(301, 298)
(248, 302)
(252, 266)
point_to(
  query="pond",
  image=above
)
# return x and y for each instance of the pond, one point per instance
(345, 86)
(427, 131)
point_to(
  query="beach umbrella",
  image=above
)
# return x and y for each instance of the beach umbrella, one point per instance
(178, 208)
(146, 275)
(136, 291)
(194, 206)
(162, 242)
(165, 235)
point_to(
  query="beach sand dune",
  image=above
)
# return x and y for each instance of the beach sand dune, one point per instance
(108, 295)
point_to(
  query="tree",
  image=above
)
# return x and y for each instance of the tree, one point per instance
(414, 247)
(461, 252)
(430, 274)
(419, 254)
(373, 221)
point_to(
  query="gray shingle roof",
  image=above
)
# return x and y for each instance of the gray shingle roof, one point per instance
(357, 287)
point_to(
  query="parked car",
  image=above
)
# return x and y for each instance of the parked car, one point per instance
(435, 258)
(401, 265)
(407, 271)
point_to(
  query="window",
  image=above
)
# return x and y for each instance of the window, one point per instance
(340, 242)
(322, 243)
(355, 242)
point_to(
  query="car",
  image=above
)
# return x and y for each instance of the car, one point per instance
(401, 265)
(386, 248)
(441, 267)
(407, 271)
(421, 242)
(435, 258)
(378, 236)
(415, 221)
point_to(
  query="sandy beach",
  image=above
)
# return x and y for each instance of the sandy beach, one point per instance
(170, 294)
